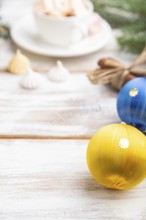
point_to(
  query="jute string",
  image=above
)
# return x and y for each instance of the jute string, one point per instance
(113, 71)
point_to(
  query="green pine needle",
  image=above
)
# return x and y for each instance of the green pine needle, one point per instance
(4, 32)
(130, 17)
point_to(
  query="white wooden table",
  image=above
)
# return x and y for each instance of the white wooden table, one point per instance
(43, 140)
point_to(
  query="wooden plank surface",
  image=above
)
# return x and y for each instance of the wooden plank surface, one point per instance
(50, 180)
(75, 108)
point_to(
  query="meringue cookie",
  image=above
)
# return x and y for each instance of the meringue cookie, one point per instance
(31, 80)
(58, 73)
(19, 63)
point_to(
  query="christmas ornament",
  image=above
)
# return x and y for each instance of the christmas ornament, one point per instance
(116, 156)
(58, 73)
(31, 80)
(19, 64)
(114, 72)
(131, 103)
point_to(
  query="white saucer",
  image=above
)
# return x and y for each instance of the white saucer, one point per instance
(24, 34)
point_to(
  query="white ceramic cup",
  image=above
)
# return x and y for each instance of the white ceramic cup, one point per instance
(63, 31)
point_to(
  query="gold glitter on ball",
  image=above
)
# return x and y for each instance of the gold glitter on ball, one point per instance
(133, 92)
(124, 143)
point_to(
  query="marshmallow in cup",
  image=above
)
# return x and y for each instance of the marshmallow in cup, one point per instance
(59, 29)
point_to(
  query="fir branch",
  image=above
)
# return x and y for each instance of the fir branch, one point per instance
(133, 42)
(117, 17)
(135, 6)
(4, 31)
(138, 26)
(129, 16)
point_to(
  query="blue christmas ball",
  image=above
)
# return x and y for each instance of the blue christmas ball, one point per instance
(131, 103)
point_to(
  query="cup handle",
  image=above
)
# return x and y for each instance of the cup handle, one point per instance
(84, 32)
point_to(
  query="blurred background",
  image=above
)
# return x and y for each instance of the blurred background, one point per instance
(126, 16)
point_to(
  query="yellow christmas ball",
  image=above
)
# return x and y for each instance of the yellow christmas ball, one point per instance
(116, 156)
